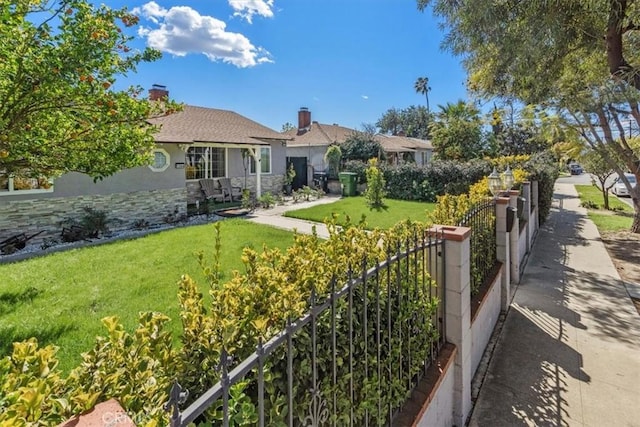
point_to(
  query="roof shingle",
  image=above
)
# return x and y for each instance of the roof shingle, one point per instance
(200, 124)
(318, 134)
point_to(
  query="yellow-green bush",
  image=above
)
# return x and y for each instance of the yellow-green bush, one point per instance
(138, 368)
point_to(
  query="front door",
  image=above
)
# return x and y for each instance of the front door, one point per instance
(300, 166)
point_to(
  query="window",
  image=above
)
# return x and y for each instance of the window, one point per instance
(19, 185)
(205, 162)
(265, 161)
(161, 160)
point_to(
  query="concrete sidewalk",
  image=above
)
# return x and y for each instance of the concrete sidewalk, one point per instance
(569, 350)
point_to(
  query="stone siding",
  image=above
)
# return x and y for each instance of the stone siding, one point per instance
(48, 215)
(270, 183)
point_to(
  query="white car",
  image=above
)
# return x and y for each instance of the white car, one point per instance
(620, 189)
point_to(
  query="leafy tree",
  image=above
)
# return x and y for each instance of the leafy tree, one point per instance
(422, 87)
(414, 121)
(554, 57)
(521, 133)
(600, 168)
(360, 146)
(58, 110)
(390, 122)
(287, 127)
(332, 157)
(457, 132)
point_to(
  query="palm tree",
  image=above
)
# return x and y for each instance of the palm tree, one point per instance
(422, 86)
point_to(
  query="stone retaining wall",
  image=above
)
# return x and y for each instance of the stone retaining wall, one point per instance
(48, 215)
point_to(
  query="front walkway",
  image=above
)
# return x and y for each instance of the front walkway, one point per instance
(569, 351)
(274, 217)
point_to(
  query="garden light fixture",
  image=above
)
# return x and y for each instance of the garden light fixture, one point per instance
(507, 179)
(495, 183)
(500, 182)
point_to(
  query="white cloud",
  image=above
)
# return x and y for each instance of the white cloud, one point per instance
(182, 30)
(247, 8)
(364, 96)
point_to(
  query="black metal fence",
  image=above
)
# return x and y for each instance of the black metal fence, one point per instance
(481, 218)
(351, 360)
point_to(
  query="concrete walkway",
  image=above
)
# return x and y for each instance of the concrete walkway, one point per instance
(274, 218)
(569, 350)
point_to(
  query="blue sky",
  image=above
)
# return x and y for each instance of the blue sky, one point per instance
(348, 61)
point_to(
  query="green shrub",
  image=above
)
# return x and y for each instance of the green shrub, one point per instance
(589, 204)
(267, 200)
(375, 192)
(138, 368)
(542, 167)
(358, 167)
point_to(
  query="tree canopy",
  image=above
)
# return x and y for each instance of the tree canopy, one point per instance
(413, 121)
(422, 87)
(59, 111)
(577, 59)
(361, 146)
(456, 133)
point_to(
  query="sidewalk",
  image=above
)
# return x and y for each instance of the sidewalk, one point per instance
(569, 350)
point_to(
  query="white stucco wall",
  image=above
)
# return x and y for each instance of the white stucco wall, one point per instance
(440, 410)
(484, 322)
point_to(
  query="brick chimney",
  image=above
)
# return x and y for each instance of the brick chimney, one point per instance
(304, 118)
(158, 92)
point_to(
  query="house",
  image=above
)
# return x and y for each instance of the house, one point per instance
(311, 139)
(192, 144)
(309, 144)
(400, 148)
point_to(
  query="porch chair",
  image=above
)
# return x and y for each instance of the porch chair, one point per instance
(212, 190)
(233, 193)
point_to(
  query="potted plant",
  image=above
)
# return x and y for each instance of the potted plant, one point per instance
(288, 179)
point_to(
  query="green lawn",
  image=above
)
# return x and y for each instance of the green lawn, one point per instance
(394, 211)
(614, 220)
(60, 298)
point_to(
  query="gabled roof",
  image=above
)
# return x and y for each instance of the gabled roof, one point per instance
(399, 144)
(200, 124)
(318, 134)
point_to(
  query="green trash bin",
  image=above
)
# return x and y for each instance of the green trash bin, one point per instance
(349, 181)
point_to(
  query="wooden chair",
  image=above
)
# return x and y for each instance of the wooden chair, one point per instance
(230, 192)
(212, 190)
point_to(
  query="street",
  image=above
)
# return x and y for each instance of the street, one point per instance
(585, 179)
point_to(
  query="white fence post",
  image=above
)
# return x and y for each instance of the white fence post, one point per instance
(535, 197)
(526, 214)
(514, 235)
(502, 250)
(458, 313)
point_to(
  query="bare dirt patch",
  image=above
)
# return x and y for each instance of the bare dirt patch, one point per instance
(624, 250)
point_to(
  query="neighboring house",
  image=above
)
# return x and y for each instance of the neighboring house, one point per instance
(311, 139)
(400, 148)
(310, 142)
(192, 144)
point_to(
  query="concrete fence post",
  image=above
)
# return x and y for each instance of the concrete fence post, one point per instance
(514, 236)
(458, 313)
(526, 214)
(502, 250)
(535, 197)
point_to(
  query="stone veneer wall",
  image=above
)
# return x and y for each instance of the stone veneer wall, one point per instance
(32, 216)
(271, 183)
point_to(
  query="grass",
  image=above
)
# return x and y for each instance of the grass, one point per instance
(394, 211)
(61, 298)
(618, 219)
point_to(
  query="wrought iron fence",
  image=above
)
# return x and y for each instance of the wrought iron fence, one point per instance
(481, 219)
(351, 360)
